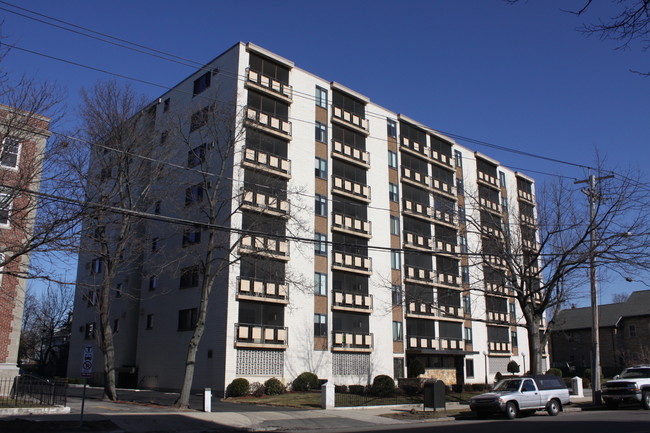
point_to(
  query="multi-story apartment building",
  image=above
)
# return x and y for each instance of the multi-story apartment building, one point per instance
(350, 227)
(22, 142)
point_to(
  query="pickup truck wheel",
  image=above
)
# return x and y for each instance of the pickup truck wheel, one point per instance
(553, 408)
(511, 410)
(645, 400)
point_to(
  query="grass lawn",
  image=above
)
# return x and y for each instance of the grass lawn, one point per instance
(11, 402)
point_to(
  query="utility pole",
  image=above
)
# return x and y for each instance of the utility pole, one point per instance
(593, 195)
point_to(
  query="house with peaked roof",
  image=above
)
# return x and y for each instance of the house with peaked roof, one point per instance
(624, 335)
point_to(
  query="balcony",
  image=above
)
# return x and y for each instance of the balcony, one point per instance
(451, 344)
(496, 289)
(498, 347)
(442, 159)
(415, 148)
(268, 123)
(444, 188)
(448, 280)
(266, 204)
(422, 310)
(264, 246)
(490, 205)
(251, 289)
(443, 217)
(451, 310)
(349, 119)
(350, 188)
(267, 162)
(443, 247)
(358, 303)
(529, 244)
(497, 316)
(417, 275)
(415, 177)
(417, 209)
(526, 196)
(494, 261)
(351, 225)
(260, 336)
(527, 219)
(351, 342)
(417, 241)
(488, 180)
(350, 154)
(422, 343)
(269, 85)
(351, 262)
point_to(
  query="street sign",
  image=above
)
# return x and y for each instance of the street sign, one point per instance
(87, 361)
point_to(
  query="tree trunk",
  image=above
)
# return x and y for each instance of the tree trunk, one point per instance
(534, 345)
(108, 349)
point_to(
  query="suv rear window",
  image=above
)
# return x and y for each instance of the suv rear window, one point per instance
(634, 373)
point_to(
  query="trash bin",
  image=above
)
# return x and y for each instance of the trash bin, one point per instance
(434, 394)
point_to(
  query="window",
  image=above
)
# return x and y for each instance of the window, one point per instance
(460, 186)
(320, 246)
(469, 368)
(106, 173)
(632, 331)
(513, 312)
(156, 207)
(9, 153)
(5, 209)
(196, 156)
(462, 240)
(193, 194)
(320, 205)
(398, 368)
(320, 284)
(321, 97)
(321, 132)
(320, 325)
(202, 83)
(154, 245)
(90, 330)
(502, 179)
(467, 304)
(465, 273)
(116, 326)
(398, 334)
(191, 237)
(189, 277)
(393, 192)
(395, 262)
(504, 203)
(163, 137)
(392, 159)
(166, 104)
(513, 338)
(394, 225)
(458, 157)
(187, 319)
(321, 168)
(468, 335)
(153, 282)
(200, 118)
(391, 128)
(528, 386)
(118, 290)
(396, 294)
(149, 321)
(96, 266)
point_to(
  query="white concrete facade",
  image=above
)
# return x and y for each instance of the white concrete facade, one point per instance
(255, 331)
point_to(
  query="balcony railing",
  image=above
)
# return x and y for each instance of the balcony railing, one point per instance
(448, 280)
(416, 177)
(268, 123)
(451, 310)
(446, 247)
(418, 275)
(498, 347)
(526, 219)
(351, 262)
(260, 336)
(451, 344)
(524, 195)
(445, 160)
(350, 153)
(418, 241)
(443, 187)
(443, 217)
(490, 205)
(417, 209)
(487, 179)
(265, 161)
(497, 316)
(351, 341)
(351, 188)
(352, 302)
(422, 342)
(421, 309)
(350, 119)
(495, 288)
(262, 245)
(348, 224)
(268, 204)
(415, 147)
(264, 82)
(259, 290)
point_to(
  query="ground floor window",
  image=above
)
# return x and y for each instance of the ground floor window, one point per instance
(469, 368)
(398, 368)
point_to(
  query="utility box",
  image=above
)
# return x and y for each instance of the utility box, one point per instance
(434, 394)
(576, 385)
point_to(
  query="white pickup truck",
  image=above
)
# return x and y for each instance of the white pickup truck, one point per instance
(522, 394)
(632, 386)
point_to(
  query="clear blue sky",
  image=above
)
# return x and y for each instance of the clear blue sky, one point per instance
(517, 76)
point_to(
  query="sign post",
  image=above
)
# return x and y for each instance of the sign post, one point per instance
(86, 372)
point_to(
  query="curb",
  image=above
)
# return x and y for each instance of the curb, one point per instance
(34, 410)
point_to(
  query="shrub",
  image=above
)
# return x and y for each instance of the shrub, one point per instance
(273, 387)
(415, 368)
(238, 387)
(383, 386)
(341, 389)
(554, 372)
(356, 389)
(513, 367)
(498, 376)
(305, 382)
(410, 390)
(257, 389)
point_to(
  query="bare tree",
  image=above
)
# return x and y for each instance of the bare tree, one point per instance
(541, 263)
(618, 298)
(118, 163)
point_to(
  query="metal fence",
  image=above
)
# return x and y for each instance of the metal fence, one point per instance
(32, 391)
(347, 399)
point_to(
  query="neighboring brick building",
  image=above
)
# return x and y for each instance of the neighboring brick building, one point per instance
(624, 335)
(22, 141)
